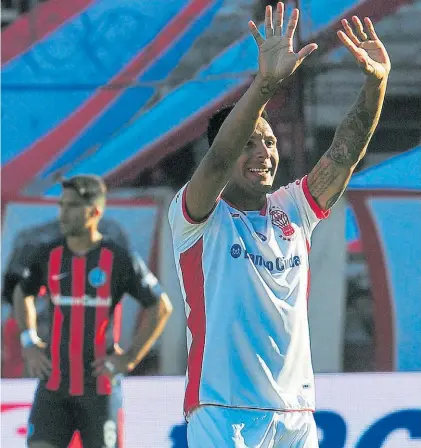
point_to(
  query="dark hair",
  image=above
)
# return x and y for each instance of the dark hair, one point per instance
(89, 187)
(216, 120)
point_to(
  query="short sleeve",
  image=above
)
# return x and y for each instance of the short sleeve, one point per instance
(185, 231)
(31, 280)
(141, 284)
(311, 213)
(17, 265)
(10, 280)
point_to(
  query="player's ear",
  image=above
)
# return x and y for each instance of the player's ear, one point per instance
(95, 211)
(99, 211)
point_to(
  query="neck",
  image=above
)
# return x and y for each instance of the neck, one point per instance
(83, 243)
(243, 200)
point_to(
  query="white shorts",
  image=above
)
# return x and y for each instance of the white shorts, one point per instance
(220, 427)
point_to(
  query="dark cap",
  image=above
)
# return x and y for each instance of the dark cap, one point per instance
(88, 187)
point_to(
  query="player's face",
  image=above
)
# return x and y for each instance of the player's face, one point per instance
(76, 215)
(256, 167)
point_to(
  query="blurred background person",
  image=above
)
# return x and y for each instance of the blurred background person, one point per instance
(86, 275)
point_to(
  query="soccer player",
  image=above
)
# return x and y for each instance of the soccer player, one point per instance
(86, 275)
(242, 253)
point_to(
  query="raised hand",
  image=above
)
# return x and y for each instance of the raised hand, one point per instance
(367, 49)
(277, 59)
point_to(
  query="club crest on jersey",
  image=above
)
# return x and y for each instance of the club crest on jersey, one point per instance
(97, 277)
(280, 219)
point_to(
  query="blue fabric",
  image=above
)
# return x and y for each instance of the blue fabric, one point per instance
(54, 77)
(401, 172)
(130, 101)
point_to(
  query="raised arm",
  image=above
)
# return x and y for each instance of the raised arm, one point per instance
(277, 61)
(329, 178)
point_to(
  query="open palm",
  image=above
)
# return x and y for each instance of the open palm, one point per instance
(367, 49)
(277, 59)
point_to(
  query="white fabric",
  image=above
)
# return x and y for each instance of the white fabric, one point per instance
(215, 427)
(256, 348)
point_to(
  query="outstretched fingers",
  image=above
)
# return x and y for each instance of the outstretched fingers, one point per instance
(353, 49)
(370, 28)
(359, 27)
(279, 19)
(306, 51)
(268, 22)
(348, 43)
(256, 34)
(349, 32)
(292, 24)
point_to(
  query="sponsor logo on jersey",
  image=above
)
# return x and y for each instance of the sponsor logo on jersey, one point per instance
(279, 264)
(236, 251)
(84, 301)
(59, 276)
(280, 219)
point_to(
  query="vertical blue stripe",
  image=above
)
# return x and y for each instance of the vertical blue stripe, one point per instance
(398, 222)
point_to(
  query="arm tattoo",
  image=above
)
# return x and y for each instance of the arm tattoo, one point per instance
(333, 200)
(354, 133)
(328, 179)
(268, 87)
(323, 175)
(320, 180)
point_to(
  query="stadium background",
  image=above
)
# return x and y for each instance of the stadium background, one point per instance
(123, 89)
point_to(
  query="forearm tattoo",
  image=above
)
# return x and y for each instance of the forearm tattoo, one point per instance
(354, 133)
(349, 145)
(332, 201)
(322, 176)
(268, 87)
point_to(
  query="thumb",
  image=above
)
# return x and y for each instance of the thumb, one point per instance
(306, 51)
(366, 67)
